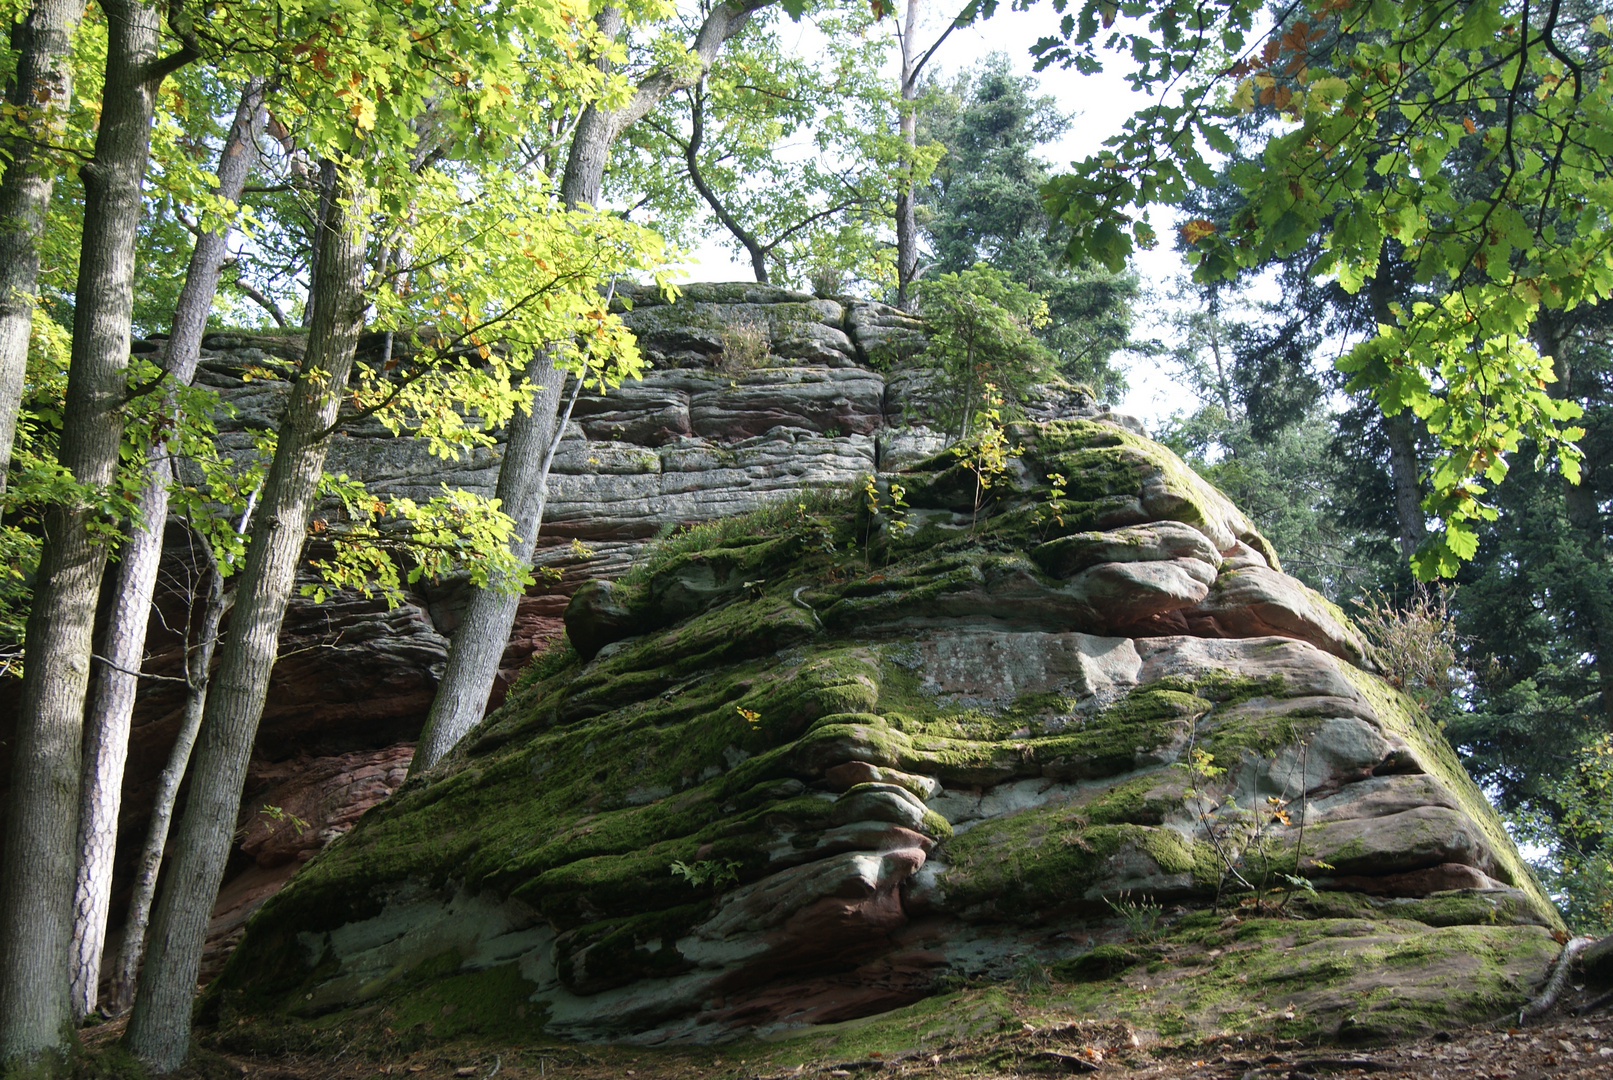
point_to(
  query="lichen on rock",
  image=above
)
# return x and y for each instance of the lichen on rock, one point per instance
(808, 766)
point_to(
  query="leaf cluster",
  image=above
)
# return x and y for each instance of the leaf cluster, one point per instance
(1470, 141)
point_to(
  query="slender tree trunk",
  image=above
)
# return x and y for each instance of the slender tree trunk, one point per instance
(44, 85)
(36, 888)
(198, 663)
(159, 1026)
(599, 126)
(907, 230)
(123, 644)
(478, 644)
(691, 160)
(1223, 387)
(1401, 431)
(596, 130)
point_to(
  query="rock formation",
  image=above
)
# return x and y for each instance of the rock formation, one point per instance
(821, 761)
(697, 439)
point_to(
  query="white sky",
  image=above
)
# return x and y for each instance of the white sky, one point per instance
(1101, 104)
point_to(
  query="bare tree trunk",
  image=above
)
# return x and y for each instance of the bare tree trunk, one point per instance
(36, 887)
(44, 82)
(1401, 432)
(106, 743)
(159, 1027)
(198, 662)
(478, 644)
(598, 126)
(691, 161)
(907, 230)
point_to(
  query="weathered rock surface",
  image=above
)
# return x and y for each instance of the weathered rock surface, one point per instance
(685, 444)
(806, 768)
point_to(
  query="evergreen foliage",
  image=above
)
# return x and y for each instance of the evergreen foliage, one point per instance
(983, 204)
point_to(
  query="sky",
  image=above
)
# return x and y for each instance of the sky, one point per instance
(1100, 105)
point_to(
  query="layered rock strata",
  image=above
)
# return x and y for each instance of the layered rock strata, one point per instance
(814, 763)
(698, 438)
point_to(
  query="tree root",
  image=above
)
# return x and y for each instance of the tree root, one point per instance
(1559, 979)
(1594, 1004)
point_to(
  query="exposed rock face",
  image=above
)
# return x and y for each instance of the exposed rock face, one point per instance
(685, 444)
(801, 770)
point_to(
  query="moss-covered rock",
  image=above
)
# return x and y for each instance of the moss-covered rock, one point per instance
(812, 765)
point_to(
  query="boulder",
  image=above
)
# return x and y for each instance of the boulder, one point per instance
(804, 770)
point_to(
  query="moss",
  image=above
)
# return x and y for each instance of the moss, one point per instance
(1044, 858)
(615, 952)
(1103, 962)
(1142, 801)
(1401, 715)
(693, 743)
(1106, 467)
(491, 1004)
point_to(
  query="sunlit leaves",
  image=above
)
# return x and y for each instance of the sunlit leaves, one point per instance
(1369, 106)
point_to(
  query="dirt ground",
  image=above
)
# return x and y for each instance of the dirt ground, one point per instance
(1563, 1044)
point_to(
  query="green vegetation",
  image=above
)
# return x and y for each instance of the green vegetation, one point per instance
(623, 801)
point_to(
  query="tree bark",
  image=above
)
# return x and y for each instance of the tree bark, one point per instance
(123, 643)
(691, 161)
(907, 230)
(159, 1027)
(44, 82)
(198, 663)
(478, 644)
(36, 888)
(1401, 431)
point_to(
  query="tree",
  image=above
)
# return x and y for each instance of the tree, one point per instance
(478, 644)
(912, 171)
(36, 890)
(111, 706)
(418, 222)
(984, 204)
(38, 95)
(788, 154)
(981, 330)
(1390, 91)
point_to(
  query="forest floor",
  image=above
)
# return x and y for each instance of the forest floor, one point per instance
(1560, 1045)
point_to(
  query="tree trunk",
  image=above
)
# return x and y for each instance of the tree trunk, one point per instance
(907, 230)
(123, 644)
(44, 81)
(197, 666)
(159, 1027)
(691, 161)
(478, 644)
(1401, 432)
(598, 127)
(36, 888)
